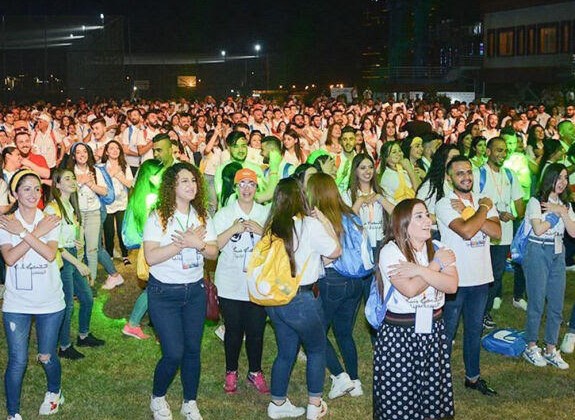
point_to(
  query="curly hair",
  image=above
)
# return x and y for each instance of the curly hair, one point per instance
(166, 205)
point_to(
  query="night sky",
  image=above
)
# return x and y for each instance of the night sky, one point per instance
(317, 36)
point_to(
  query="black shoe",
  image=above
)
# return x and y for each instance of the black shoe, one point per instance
(126, 261)
(488, 322)
(70, 353)
(481, 386)
(90, 341)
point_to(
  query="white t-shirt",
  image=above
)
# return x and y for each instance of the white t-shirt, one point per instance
(371, 216)
(390, 183)
(312, 241)
(231, 279)
(68, 232)
(473, 256)
(88, 200)
(148, 134)
(188, 265)
(131, 137)
(33, 284)
(120, 190)
(430, 298)
(533, 211)
(431, 202)
(503, 194)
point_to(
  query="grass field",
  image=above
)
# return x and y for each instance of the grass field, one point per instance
(114, 382)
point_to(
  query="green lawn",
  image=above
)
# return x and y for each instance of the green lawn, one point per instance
(114, 382)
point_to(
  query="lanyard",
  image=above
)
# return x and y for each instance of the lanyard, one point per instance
(180, 223)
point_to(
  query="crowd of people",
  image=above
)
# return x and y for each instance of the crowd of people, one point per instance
(439, 193)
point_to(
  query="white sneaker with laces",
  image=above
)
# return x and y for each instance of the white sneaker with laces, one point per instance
(357, 390)
(314, 412)
(340, 385)
(497, 303)
(190, 411)
(51, 404)
(286, 410)
(533, 356)
(160, 408)
(568, 345)
(15, 417)
(520, 304)
(554, 359)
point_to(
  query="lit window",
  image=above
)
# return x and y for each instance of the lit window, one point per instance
(506, 43)
(548, 40)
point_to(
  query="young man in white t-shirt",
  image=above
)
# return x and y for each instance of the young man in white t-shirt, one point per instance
(503, 187)
(467, 222)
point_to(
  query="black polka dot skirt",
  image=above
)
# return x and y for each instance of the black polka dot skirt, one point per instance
(412, 374)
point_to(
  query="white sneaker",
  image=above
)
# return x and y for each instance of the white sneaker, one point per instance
(340, 385)
(220, 332)
(286, 410)
(315, 412)
(520, 304)
(15, 417)
(357, 390)
(554, 359)
(190, 411)
(568, 345)
(160, 408)
(113, 281)
(533, 356)
(51, 404)
(570, 268)
(497, 303)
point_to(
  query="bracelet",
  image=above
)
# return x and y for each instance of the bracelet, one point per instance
(440, 264)
(485, 205)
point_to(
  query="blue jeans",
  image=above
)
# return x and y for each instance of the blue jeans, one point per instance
(140, 308)
(469, 301)
(74, 283)
(300, 321)
(498, 259)
(545, 279)
(178, 312)
(17, 330)
(340, 298)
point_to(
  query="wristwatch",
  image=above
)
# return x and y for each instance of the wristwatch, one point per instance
(23, 234)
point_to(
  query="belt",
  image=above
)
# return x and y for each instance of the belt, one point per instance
(407, 320)
(542, 241)
(306, 288)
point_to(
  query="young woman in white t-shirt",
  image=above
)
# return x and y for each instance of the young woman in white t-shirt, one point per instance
(239, 225)
(29, 243)
(91, 186)
(178, 235)
(122, 178)
(412, 371)
(396, 176)
(550, 215)
(306, 240)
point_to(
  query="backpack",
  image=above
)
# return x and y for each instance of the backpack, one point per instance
(375, 308)
(270, 282)
(505, 341)
(355, 260)
(483, 177)
(519, 243)
(111, 194)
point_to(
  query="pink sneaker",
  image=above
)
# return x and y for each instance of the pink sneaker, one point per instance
(258, 381)
(113, 281)
(135, 332)
(231, 385)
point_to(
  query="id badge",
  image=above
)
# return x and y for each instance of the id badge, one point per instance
(247, 257)
(189, 258)
(23, 278)
(423, 320)
(558, 244)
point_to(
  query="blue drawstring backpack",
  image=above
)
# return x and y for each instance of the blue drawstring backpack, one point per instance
(356, 258)
(519, 243)
(506, 341)
(375, 307)
(111, 194)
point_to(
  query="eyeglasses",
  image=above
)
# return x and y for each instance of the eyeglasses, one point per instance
(247, 184)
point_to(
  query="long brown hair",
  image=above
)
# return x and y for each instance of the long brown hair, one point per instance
(166, 205)
(323, 194)
(121, 158)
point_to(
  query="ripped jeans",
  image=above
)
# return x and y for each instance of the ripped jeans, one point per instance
(17, 330)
